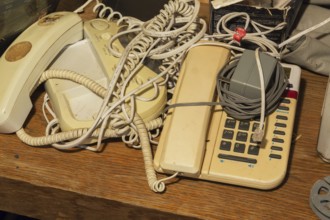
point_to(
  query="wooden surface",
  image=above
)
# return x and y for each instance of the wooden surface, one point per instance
(46, 183)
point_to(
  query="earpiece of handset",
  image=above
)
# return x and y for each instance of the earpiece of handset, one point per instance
(25, 60)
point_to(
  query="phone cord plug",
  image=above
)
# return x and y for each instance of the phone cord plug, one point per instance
(258, 134)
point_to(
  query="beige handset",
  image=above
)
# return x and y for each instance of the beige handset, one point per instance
(182, 146)
(24, 61)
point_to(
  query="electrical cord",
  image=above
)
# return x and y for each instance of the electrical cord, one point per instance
(166, 37)
(174, 36)
(117, 125)
(240, 107)
(243, 108)
(286, 42)
(128, 61)
(256, 37)
(235, 106)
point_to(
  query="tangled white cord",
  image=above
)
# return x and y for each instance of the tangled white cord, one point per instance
(255, 37)
(158, 38)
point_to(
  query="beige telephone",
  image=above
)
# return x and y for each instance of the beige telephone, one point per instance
(91, 58)
(25, 60)
(62, 41)
(203, 142)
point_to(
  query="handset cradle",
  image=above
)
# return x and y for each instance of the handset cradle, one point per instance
(91, 58)
(24, 61)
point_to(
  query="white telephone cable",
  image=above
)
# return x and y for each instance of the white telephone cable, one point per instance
(74, 77)
(258, 37)
(88, 83)
(102, 10)
(155, 32)
(161, 52)
(81, 8)
(103, 113)
(154, 184)
(304, 33)
(126, 55)
(76, 142)
(258, 134)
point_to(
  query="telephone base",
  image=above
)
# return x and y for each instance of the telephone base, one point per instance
(74, 105)
(77, 107)
(232, 157)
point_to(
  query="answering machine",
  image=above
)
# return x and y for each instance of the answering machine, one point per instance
(62, 41)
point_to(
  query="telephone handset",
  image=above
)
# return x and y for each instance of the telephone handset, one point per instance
(204, 142)
(183, 135)
(25, 60)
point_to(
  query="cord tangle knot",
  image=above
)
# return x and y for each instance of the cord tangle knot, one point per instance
(239, 34)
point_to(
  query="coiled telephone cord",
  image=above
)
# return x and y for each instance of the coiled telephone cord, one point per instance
(177, 17)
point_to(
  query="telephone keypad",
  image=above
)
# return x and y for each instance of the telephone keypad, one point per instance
(242, 141)
(239, 156)
(239, 140)
(248, 163)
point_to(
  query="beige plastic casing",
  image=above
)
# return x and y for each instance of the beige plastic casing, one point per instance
(63, 93)
(268, 171)
(24, 61)
(182, 143)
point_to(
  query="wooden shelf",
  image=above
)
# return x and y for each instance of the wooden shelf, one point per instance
(45, 183)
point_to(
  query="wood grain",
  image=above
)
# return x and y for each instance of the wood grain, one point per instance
(44, 182)
(49, 184)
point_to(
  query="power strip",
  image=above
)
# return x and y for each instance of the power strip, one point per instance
(74, 105)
